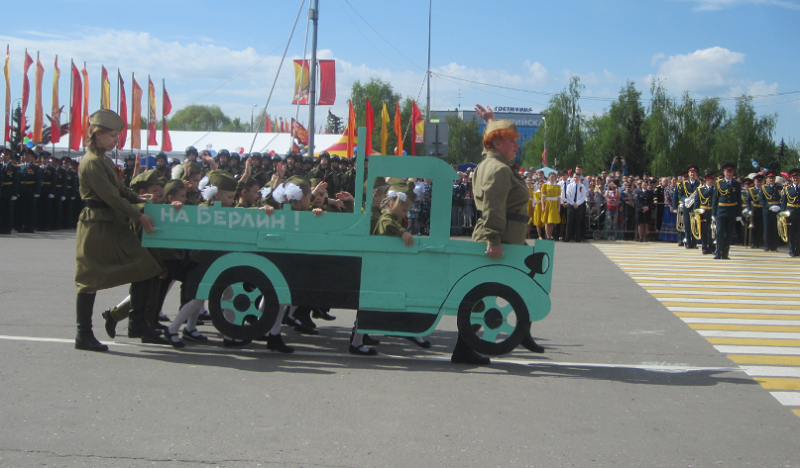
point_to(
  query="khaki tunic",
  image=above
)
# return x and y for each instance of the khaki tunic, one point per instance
(499, 191)
(108, 252)
(388, 225)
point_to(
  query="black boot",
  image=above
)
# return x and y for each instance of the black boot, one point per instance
(137, 325)
(463, 354)
(303, 314)
(531, 345)
(111, 324)
(85, 338)
(275, 343)
(323, 314)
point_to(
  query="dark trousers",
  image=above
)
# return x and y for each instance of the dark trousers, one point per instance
(689, 241)
(770, 222)
(66, 214)
(705, 232)
(726, 227)
(26, 214)
(6, 215)
(576, 217)
(561, 230)
(793, 232)
(46, 206)
(756, 232)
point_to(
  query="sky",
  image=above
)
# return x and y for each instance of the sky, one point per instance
(515, 53)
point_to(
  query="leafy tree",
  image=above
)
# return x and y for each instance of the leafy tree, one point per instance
(199, 118)
(334, 123)
(463, 140)
(565, 139)
(379, 92)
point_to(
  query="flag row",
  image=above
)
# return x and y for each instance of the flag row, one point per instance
(417, 125)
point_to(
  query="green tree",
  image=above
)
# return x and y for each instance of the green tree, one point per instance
(463, 140)
(379, 92)
(236, 125)
(565, 139)
(334, 123)
(747, 136)
(660, 128)
(199, 118)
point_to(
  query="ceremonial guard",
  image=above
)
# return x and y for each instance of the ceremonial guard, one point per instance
(770, 198)
(705, 198)
(9, 192)
(70, 187)
(791, 203)
(30, 189)
(755, 210)
(683, 201)
(726, 209)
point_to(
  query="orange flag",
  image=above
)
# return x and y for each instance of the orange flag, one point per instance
(370, 126)
(105, 90)
(398, 130)
(151, 117)
(166, 108)
(55, 120)
(38, 111)
(85, 119)
(26, 92)
(136, 115)
(123, 112)
(351, 129)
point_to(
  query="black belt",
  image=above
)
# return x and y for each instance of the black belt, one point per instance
(517, 217)
(96, 204)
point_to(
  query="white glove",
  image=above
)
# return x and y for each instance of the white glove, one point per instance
(51, 196)
(713, 218)
(13, 198)
(738, 219)
(72, 198)
(63, 198)
(36, 195)
(680, 205)
(689, 203)
(774, 208)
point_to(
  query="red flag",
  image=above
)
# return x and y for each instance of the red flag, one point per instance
(85, 115)
(544, 158)
(38, 111)
(123, 112)
(398, 130)
(299, 132)
(26, 92)
(151, 117)
(166, 108)
(75, 116)
(6, 72)
(327, 82)
(351, 129)
(283, 127)
(55, 120)
(136, 116)
(266, 123)
(370, 126)
(417, 123)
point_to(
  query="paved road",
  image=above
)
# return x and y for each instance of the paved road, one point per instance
(625, 382)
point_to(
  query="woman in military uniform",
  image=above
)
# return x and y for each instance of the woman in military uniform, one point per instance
(108, 253)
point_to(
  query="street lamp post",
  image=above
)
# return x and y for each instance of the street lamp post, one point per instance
(544, 119)
(252, 124)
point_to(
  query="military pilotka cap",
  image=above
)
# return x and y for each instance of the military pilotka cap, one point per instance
(499, 125)
(107, 119)
(190, 169)
(404, 187)
(221, 180)
(173, 186)
(145, 180)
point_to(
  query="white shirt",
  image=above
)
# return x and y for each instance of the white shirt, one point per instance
(570, 195)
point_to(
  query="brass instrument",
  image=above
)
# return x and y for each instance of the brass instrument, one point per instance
(783, 228)
(679, 224)
(679, 221)
(714, 229)
(697, 223)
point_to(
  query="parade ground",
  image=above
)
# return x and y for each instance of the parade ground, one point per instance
(656, 356)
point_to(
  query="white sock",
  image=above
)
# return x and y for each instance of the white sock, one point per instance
(358, 338)
(186, 311)
(191, 321)
(276, 327)
(127, 299)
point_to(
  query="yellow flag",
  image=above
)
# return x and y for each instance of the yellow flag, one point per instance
(105, 90)
(384, 128)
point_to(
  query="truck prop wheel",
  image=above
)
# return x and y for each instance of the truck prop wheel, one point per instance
(493, 319)
(234, 299)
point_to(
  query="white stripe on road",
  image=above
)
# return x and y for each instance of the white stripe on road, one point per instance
(749, 334)
(727, 310)
(734, 287)
(726, 301)
(787, 398)
(744, 293)
(775, 350)
(708, 281)
(726, 321)
(771, 371)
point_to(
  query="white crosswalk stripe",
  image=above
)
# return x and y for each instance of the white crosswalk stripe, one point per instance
(747, 307)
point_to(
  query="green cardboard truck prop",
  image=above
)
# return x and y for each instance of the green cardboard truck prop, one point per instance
(332, 261)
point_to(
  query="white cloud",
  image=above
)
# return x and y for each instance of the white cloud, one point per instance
(538, 72)
(656, 58)
(712, 5)
(702, 70)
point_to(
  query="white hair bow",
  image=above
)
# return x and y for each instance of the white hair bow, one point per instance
(287, 192)
(208, 192)
(265, 191)
(400, 195)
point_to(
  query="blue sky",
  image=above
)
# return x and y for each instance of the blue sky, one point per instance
(227, 53)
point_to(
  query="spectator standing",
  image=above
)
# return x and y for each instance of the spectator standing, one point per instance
(612, 196)
(576, 197)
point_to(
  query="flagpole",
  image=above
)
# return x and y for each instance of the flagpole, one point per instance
(149, 116)
(163, 117)
(116, 148)
(71, 86)
(313, 14)
(428, 73)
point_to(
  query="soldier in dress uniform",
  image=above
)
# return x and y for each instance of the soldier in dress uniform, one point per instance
(61, 196)
(770, 198)
(705, 198)
(30, 189)
(48, 193)
(790, 201)
(70, 185)
(755, 208)
(683, 192)
(9, 191)
(726, 209)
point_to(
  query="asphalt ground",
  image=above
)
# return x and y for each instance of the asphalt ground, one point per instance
(624, 382)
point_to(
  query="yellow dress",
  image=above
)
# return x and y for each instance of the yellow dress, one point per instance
(535, 207)
(551, 210)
